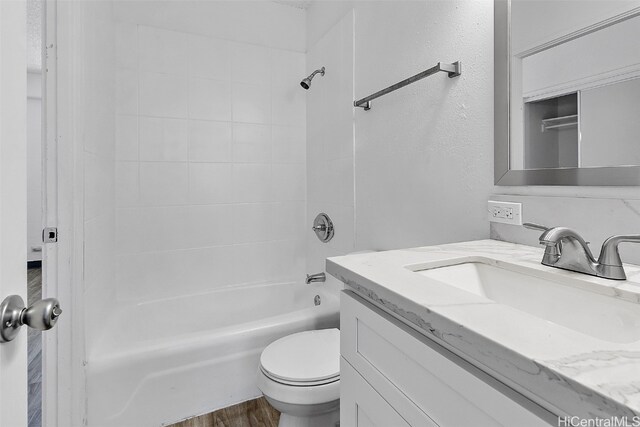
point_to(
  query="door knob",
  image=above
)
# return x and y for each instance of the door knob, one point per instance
(42, 315)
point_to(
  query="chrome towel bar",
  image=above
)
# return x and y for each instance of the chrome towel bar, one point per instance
(453, 70)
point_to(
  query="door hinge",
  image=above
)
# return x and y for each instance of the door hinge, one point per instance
(50, 235)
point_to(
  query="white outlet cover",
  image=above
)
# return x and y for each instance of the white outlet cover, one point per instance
(493, 206)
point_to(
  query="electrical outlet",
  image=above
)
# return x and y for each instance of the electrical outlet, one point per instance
(505, 212)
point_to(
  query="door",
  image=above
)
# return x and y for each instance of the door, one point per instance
(13, 205)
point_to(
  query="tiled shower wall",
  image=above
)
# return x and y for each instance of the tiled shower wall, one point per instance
(330, 160)
(210, 170)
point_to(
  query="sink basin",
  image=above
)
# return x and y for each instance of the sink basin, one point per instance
(600, 316)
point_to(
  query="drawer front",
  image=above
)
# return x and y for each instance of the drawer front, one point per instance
(385, 351)
(361, 405)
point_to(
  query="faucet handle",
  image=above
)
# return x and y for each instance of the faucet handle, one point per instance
(609, 259)
(609, 254)
(534, 226)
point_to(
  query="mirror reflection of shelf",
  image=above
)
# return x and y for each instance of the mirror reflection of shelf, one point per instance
(559, 122)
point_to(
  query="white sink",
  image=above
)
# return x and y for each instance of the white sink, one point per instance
(600, 316)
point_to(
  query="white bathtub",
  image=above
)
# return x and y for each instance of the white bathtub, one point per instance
(164, 361)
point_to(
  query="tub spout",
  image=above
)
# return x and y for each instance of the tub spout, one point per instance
(318, 277)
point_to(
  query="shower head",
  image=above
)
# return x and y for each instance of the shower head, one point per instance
(306, 83)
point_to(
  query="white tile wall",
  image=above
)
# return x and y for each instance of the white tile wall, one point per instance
(162, 139)
(209, 183)
(209, 99)
(126, 137)
(165, 183)
(252, 103)
(164, 95)
(330, 158)
(210, 174)
(251, 183)
(126, 91)
(251, 143)
(288, 144)
(163, 51)
(210, 58)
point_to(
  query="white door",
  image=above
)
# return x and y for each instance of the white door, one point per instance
(13, 204)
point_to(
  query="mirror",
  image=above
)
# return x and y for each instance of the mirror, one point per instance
(567, 92)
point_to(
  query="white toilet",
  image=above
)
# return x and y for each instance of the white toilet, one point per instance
(300, 376)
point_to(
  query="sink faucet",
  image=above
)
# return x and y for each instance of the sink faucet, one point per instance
(566, 249)
(318, 277)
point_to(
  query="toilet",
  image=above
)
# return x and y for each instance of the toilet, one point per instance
(299, 376)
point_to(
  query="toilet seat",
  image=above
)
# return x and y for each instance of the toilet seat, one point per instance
(299, 383)
(304, 359)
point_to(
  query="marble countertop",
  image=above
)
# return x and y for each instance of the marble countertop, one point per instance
(567, 372)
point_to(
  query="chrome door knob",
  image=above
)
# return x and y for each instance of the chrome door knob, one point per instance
(42, 315)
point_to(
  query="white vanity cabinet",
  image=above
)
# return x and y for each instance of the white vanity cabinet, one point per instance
(393, 376)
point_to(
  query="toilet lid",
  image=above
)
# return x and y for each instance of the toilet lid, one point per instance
(305, 357)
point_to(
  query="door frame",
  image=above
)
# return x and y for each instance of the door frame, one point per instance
(64, 385)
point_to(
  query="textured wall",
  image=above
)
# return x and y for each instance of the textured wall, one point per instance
(423, 153)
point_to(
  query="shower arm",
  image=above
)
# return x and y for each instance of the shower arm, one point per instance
(321, 71)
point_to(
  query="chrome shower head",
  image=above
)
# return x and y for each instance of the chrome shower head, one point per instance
(306, 83)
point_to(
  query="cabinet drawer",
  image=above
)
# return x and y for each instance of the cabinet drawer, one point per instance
(384, 351)
(361, 405)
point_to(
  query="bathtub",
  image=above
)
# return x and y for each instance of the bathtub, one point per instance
(160, 362)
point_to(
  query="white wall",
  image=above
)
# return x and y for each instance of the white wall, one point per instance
(418, 144)
(330, 155)
(210, 147)
(34, 166)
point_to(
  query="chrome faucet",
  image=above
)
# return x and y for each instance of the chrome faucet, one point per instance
(318, 277)
(564, 248)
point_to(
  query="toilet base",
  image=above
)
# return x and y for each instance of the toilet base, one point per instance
(318, 415)
(329, 419)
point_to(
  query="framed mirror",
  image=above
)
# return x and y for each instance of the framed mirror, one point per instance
(567, 92)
